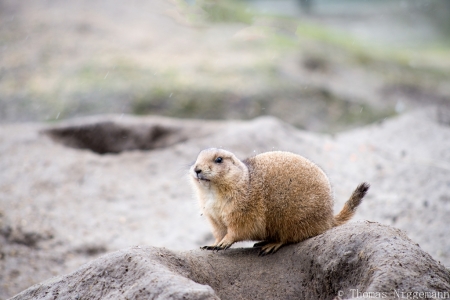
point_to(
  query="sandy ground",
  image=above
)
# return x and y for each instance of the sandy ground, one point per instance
(61, 207)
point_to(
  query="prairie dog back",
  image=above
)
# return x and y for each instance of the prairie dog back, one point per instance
(296, 193)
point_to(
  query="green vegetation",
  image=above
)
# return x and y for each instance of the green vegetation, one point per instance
(204, 12)
(259, 66)
(225, 11)
(424, 65)
(289, 103)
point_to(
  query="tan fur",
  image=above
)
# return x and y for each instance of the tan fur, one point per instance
(275, 197)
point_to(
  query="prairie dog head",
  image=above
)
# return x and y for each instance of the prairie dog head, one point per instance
(217, 167)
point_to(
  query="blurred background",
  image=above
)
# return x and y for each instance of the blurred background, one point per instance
(320, 65)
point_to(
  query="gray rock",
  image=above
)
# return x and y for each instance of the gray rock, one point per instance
(349, 261)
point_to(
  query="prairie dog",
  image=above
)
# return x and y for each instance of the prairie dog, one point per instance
(274, 197)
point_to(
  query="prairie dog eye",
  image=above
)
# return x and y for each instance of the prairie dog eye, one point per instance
(218, 160)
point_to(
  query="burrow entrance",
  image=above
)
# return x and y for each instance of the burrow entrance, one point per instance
(112, 136)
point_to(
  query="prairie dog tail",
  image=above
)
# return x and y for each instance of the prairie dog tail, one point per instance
(350, 206)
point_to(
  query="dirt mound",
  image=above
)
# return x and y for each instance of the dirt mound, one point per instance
(349, 261)
(63, 204)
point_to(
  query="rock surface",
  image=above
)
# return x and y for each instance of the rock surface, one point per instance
(61, 207)
(346, 261)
